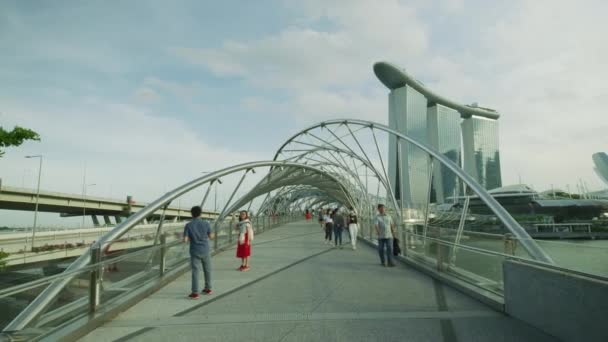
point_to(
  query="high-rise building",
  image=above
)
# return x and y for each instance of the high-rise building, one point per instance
(439, 125)
(480, 151)
(600, 160)
(408, 169)
(444, 134)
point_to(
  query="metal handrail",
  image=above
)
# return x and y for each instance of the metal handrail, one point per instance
(69, 273)
(21, 256)
(513, 257)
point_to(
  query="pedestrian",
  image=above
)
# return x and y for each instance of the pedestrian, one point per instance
(243, 248)
(198, 233)
(339, 224)
(321, 218)
(353, 227)
(308, 215)
(329, 226)
(385, 228)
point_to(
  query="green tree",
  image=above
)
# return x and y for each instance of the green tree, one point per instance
(16, 137)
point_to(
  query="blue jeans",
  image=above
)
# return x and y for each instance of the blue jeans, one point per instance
(389, 250)
(337, 234)
(199, 262)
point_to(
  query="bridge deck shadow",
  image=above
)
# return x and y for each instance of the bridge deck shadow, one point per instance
(299, 289)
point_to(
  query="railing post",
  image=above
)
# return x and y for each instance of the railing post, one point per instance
(94, 283)
(216, 234)
(231, 228)
(163, 253)
(404, 240)
(440, 254)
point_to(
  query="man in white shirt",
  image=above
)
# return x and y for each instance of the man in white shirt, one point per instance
(385, 228)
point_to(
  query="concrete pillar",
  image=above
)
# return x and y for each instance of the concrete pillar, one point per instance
(118, 219)
(95, 220)
(106, 219)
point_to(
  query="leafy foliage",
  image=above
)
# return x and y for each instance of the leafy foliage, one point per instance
(16, 137)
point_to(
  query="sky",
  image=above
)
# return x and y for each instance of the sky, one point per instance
(147, 94)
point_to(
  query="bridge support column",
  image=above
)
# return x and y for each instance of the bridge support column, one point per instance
(95, 220)
(106, 219)
(118, 219)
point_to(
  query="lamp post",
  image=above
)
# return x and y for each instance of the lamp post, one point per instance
(37, 197)
(84, 201)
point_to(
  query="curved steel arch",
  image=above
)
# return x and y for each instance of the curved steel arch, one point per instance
(382, 177)
(518, 231)
(46, 297)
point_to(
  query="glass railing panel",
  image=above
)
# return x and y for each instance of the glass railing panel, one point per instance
(129, 263)
(178, 253)
(587, 256)
(13, 304)
(129, 273)
(71, 302)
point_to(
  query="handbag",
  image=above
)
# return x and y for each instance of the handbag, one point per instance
(396, 248)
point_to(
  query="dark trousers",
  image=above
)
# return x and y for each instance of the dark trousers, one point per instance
(328, 230)
(338, 234)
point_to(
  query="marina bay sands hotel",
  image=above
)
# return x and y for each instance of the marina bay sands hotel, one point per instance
(468, 135)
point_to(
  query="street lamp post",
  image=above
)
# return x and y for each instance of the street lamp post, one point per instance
(37, 197)
(84, 201)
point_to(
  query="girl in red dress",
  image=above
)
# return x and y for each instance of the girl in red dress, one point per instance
(243, 247)
(308, 215)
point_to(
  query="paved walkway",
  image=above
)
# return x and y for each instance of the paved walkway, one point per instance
(299, 289)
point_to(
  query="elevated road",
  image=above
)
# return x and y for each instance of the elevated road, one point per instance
(66, 205)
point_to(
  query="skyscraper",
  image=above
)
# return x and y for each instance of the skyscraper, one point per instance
(480, 151)
(439, 126)
(408, 170)
(444, 134)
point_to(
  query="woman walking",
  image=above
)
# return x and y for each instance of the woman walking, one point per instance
(243, 248)
(308, 215)
(329, 226)
(353, 228)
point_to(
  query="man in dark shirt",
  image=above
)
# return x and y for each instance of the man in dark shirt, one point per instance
(339, 224)
(197, 233)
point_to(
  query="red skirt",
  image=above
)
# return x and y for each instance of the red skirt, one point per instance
(244, 250)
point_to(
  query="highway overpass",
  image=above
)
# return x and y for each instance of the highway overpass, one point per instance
(68, 205)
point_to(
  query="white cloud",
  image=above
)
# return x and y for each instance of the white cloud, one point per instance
(146, 95)
(180, 89)
(125, 149)
(544, 70)
(323, 73)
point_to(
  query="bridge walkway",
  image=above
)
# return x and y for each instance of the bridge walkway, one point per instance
(299, 289)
